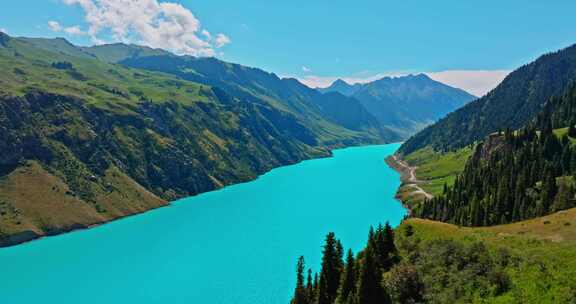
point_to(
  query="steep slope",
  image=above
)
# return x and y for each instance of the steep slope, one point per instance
(85, 142)
(405, 104)
(514, 175)
(257, 86)
(517, 100)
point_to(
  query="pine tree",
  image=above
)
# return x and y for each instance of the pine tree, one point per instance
(348, 280)
(300, 292)
(368, 289)
(549, 190)
(310, 292)
(385, 248)
(330, 273)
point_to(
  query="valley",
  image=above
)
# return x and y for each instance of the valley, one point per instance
(161, 151)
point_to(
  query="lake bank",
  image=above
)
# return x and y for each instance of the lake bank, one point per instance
(217, 247)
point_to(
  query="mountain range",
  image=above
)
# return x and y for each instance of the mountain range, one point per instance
(401, 105)
(405, 104)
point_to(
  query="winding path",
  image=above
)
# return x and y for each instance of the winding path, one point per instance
(412, 180)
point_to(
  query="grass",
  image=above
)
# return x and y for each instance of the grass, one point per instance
(564, 131)
(544, 251)
(27, 67)
(33, 199)
(436, 168)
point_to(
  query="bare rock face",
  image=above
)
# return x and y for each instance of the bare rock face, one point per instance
(492, 143)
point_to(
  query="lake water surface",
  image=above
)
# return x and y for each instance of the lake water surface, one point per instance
(237, 245)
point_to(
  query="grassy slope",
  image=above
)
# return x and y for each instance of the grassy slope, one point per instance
(34, 202)
(286, 94)
(159, 86)
(434, 169)
(545, 248)
(27, 67)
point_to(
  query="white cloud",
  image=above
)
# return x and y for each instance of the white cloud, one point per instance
(477, 82)
(74, 30)
(221, 40)
(3, 30)
(54, 26)
(306, 69)
(157, 24)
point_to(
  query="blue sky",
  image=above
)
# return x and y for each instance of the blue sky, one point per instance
(319, 40)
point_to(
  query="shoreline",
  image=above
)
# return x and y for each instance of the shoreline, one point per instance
(29, 236)
(408, 179)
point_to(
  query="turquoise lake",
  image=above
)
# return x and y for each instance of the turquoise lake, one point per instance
(237, 245)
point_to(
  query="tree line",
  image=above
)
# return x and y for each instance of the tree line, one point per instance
(355, 279)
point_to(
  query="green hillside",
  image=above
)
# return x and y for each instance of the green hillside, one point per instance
(434, 170)
(324, 115)
(85, 141)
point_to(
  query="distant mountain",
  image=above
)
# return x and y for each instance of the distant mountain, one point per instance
(259, 86)
(405, 104)
(516, 101)
(85, 141)
(342, 87)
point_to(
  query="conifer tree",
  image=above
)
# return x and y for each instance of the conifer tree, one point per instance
(310, 292)
(348, 280)
(330, 274)
(549, 190)
(300, 292)
(368, 289)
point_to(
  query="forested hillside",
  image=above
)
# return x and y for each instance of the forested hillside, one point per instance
(515, 102)
(515, 175)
